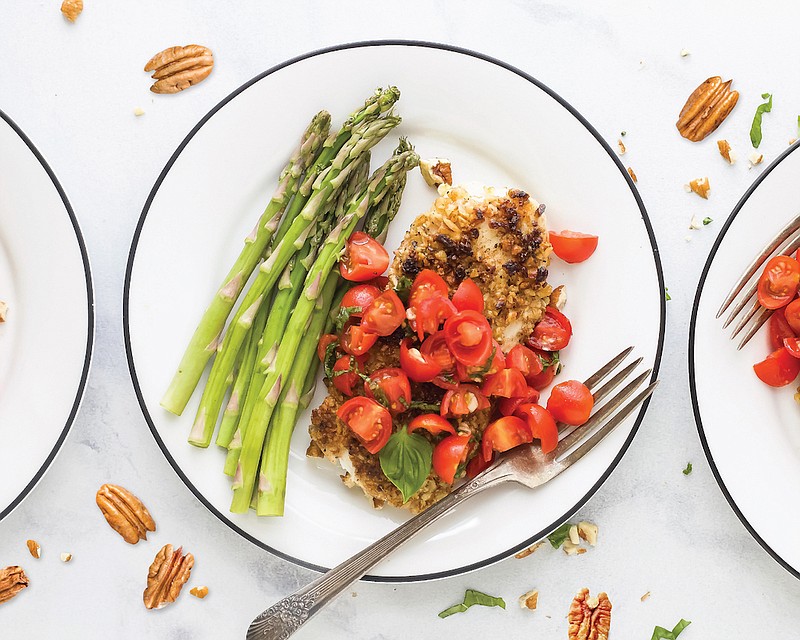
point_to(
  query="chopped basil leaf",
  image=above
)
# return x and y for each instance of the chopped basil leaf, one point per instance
(707, 221)
(422, 406)
(798, 125)
(560, 535)
(343, 316)
(553, 361)
(403, 288)
(666, 293)
(688, 469)
(406, 461)
(472, 597)
(660, 633)
(755, 129)
(331, 356)
(379, 393)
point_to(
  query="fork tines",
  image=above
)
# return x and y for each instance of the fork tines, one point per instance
(786, 242)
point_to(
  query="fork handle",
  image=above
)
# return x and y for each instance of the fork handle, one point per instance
(286, 616)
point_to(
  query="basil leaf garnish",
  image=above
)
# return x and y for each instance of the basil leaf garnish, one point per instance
(406, 461)
(473, 597)
(560, 535)
(755, 128)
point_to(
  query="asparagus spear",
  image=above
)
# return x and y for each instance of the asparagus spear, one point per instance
(285, 301)
(207, 335)
(326, 187)
(302, 380)
(380, 183)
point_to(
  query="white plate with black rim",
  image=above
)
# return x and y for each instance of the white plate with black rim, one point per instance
(216, 183)
(46, 341)
(750, 432)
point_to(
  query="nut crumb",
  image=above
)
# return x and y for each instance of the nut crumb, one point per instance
(199, 592)
(645, 596)
(632, 175)
(436, 171)
(138, 111)
(3, 311)
(34, 548)
(725, 151)
(588, 531)
(685, 52)
(72, 9)
(526, 552)
(621, 147)
(694, 223)
(792, 141)
(66, 557)
(572, 549)
(700, 186)
(574, 538)
(529, 600)
(755, 158)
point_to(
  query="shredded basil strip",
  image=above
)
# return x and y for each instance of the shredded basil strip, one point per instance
(422, 406)
(472, 597)
(331, 356)
(403, 288)
(666, 293)
(707, 221)
(660, 633)
(406, 461)
(688, 469)
(560, 535)
(343, 316)
(755, 129)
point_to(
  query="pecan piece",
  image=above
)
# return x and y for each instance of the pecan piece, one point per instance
(72, 9)
(12, 581)
(178, 68)
(125, 513)
(706, 109)
(589, 618)
(168, 573)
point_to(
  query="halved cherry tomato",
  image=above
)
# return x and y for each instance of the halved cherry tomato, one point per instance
(381, 282)
(524, 360)
(384, 315)
(541, 424)
(792, 315)
(468, 296)
(418, 367)
(391, 388)
(426, 284)
(322, 346)
(543, 379)
(508, 383)
(572, 246)
(552, 333)
(477, 464)
(778, 283)
(432, 423)
(476, 374)
(779, 327)
(792, 345)
(463, 400)
(364, 258)
(448, 455)
(570, 402)
(369, 421)
(504, 434)
(469, 337)
(344, 377)
(428, 313)
(509, 406)
(778, 369)
(435, 348)
(360, 296)
(356, 341)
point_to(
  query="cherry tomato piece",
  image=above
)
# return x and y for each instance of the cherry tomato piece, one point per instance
(344, 376)
(360, 296)
(541, 424)
(463, 400)
(792, 345)
(778, 369)
(509, 406)
(435, 348)
(778, 283)
(384, 315)
(391, 388)
(508, 383)
(504, 434)
(469, 337)
(524, 360)
(779, 327)
(448, 455)
(418, 367)
(432, 423)
(468, 297)
(476, 374)
(477, 464)
(573, 246)
(370, 422)
(426, 284)
(552, 333)
(427, 314)
(364, 258)
(792, 316)
(570, 402)
(382, 282)
(356, 341)
(322, 345)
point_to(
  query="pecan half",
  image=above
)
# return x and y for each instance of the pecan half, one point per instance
(125, 513)
(589, 618)
(706, 108)
(168, 573)
(178, 68)
(12, 581)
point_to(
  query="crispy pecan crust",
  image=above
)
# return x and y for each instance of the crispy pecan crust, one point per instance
(12, 581)
(125, 513)
(167, 575)
(589, 618)
(706, 109)
(178, 68)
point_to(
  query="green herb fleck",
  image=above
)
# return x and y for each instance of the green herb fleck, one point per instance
(707, 221)
(660, 633)
(688, 469)
(553, 361)
(798, 126)
(666, 293)
(331, 356)
(403, 288)
(560, 535)
(406, 461)
(755, 129)
(472, 597)
(422, 406)
(343, 316)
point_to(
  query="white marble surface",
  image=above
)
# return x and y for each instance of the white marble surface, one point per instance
(73, 89)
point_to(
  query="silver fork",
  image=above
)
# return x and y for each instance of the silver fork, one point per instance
(786, 242)
(525, 465)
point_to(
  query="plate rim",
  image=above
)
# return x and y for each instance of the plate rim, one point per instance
(795, 571)
(379, 43)
(87, 358)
